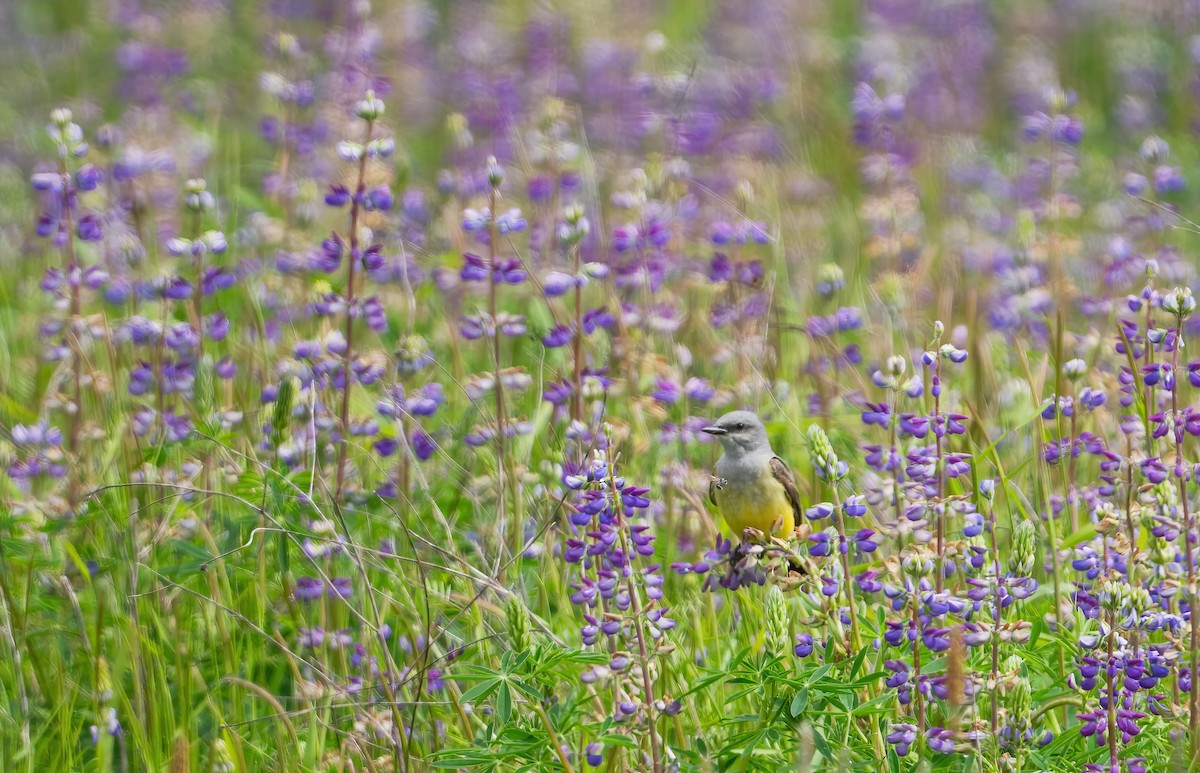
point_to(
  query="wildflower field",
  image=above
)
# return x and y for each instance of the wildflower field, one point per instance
(366, 372)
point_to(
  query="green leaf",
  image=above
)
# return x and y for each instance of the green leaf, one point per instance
(858, 661)
(800, 702)
(1036, 633)
(740, 694)
(526, 689)
(1085, 534)
(504, 703)
(874, 706)
(481, 690)
(821, 744)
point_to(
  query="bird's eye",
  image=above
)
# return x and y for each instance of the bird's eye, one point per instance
(740, 426)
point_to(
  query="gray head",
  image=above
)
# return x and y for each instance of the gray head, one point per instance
(740, 432)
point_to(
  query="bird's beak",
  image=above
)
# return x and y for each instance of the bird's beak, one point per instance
(715, 431)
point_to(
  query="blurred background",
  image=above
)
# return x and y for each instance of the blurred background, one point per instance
(967, 70)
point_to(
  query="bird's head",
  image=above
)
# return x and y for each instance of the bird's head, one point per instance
(740, 432)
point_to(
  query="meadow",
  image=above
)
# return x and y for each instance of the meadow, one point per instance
(356, 359)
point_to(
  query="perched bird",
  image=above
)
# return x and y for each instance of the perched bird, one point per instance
(752, 487)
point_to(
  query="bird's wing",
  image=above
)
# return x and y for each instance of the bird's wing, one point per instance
(782, 473)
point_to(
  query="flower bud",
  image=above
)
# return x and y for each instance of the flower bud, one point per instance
(203, 388)
(222, 760)
(1024, 549)
(1019, 701)
(1026, 228)
(104, 691)
(495, 172)
(196, 196)
(1154, 150)
(281, 413)
(349, 151)
(370, 108)
(775, 612)
(1179, 302)
(824, 458)
(596, 270)
(830, 279)
(412, 354)
(518, 624)
(744, 191)
(456, 126)
(1074, 369)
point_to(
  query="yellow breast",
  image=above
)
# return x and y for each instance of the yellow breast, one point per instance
(761, 505)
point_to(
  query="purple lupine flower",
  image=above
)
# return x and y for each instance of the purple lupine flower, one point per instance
(666, 391)
(902, 736)
(940, 740)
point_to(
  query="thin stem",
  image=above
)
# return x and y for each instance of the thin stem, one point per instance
(348, 356)
(636, 607)
(939, 511)
(501, 438)
(847, 581)
(73, 281)
(1186, 544)
(996, 622)
(1112, 698)
(577, 346)
(554, 740)
(198, 296)
(1133, 546)
(916, 650)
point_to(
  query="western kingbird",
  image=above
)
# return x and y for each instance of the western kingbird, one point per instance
(752, 488)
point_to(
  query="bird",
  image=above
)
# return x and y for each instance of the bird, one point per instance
(752, 487)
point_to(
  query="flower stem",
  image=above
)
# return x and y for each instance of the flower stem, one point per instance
(73, 280)
(348, 357)
(1185, 539)
(502, 470)
(554, 740)
(577, 346)
(995, 689)
(855, 642)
